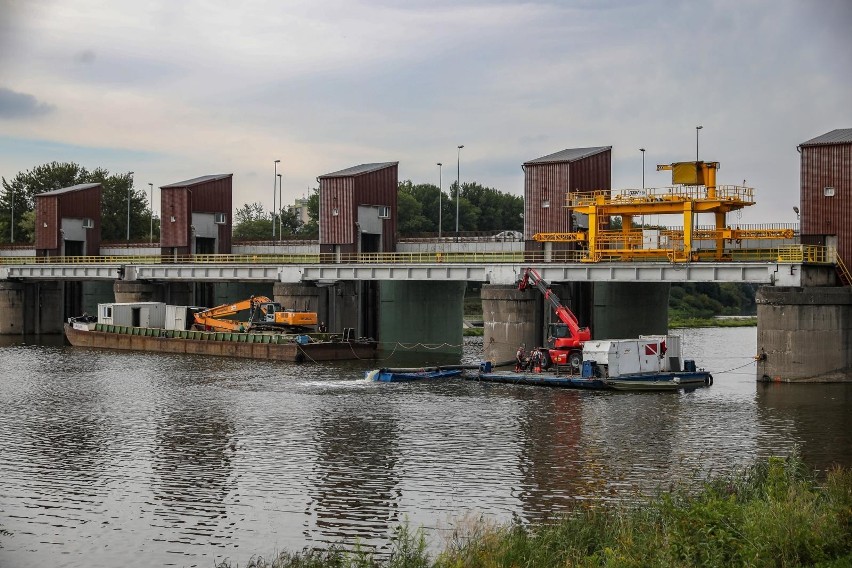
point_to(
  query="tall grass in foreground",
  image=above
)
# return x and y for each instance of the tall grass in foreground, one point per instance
(774, 513)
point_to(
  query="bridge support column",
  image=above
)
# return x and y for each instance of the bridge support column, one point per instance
(31, 309)
(301, 297)
(804, 334)
(624, 310)
(136, 292)
(426, 313)
(510, 319)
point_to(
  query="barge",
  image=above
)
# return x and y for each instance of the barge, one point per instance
(650, 363)
(152, 331)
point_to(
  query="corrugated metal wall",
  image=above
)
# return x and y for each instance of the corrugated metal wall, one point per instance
(545, 184)
(47, 213)
(345, 194)
(174, 203)
(337, 195)
(214, 196)
(551, 182)
(51, 209)
(827, 166)
(380, 188)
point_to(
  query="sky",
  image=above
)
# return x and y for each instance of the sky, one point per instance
(176, 90)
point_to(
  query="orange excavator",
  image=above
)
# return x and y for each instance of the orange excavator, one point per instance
(566, 338)
(264, 315)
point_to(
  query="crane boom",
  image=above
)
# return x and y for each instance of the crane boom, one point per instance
(565, 339)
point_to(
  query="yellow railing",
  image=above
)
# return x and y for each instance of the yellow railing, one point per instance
(617, 250)
(730, 193)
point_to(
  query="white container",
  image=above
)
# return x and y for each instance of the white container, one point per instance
(180, 317)
(134, 314)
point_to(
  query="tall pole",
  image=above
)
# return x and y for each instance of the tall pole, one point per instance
(697, 128)
(151, 235)
(458, 187)
(280, 206)
(274, 181)
(440, 191)
(643, 166)
(129, 188)
(12, 238)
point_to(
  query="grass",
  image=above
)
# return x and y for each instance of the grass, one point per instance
(676, 322)
(774, 513)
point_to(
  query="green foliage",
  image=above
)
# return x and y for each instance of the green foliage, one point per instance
(117, 190)
(310, 230)
(703, 300)
(252, 223)
(480, 209)
(774, 513)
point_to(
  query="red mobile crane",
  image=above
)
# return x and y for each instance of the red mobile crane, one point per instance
(566, 338)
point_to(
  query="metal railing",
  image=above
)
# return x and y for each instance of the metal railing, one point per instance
(786, 254)
(728, 193)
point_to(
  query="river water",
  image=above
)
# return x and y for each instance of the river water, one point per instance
(118, 458)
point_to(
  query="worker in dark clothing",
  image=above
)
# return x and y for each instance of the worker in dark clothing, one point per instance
(520, 357)
(322, 328)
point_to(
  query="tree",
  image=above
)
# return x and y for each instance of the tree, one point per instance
(116, 190)
(252, 223)
(310, 230)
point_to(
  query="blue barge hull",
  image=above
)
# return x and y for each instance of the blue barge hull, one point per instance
(540, 379)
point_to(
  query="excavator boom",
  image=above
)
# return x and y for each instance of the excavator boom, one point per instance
(263, 314)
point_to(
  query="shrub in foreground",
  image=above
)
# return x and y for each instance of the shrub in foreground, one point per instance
(774, 513)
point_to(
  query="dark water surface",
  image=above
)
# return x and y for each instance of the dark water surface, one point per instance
(112, 458)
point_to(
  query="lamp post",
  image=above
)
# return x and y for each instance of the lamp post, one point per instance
(458, 187)
(129, 189)
(440, 191)
(12, 237)
(643, 166)
(151, 235)
(697, 128)
(274, 181)
(280, 206)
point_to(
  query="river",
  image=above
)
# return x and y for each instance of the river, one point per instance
(119, 458)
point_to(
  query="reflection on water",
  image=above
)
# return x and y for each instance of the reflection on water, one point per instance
(114, 458)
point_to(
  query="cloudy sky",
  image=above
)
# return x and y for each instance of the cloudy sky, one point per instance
(174, 90)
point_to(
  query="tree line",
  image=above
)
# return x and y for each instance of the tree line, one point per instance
(421, 208)
(17, 201)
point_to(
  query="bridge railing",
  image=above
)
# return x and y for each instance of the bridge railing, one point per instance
(785, 254)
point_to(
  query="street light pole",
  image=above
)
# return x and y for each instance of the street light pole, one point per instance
(280, 206)
(12, 238)
(151, 235)
(440, 191)
(458, 187)
(643, 166)
(129, 189)
(274, 181)
(697, 128)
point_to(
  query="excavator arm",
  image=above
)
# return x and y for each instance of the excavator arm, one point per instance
(214, 318)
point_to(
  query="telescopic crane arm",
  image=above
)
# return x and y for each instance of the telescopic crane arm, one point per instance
(565, 315)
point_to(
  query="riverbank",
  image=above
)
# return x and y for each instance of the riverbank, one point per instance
(773, 513)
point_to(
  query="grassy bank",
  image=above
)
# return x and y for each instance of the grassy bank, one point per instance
(712, 322)
(774, 513)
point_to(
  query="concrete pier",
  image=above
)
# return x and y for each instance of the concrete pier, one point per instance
(421, 316)
(624, 310)
(804, 334)
(511, 317)
(31, 308)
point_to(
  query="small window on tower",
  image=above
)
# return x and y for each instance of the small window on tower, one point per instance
(828, 191)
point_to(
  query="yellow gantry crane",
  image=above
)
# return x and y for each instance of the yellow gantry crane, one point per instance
(694, 191)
